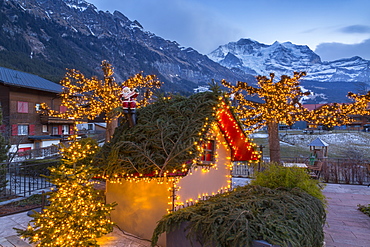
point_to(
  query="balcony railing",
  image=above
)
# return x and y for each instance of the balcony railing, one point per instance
(55, 120)
(38, 153)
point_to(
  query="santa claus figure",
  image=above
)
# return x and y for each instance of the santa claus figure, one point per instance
(128, 97)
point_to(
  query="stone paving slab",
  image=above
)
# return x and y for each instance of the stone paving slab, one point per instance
(9, 238)
(345, 225)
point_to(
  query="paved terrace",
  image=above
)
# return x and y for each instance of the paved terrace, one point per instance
(346, 226)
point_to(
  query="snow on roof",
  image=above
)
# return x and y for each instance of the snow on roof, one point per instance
(318, 143)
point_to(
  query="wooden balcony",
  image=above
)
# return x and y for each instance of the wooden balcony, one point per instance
(55, 120)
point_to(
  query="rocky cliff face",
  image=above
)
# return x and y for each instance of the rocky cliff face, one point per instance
(45, 37)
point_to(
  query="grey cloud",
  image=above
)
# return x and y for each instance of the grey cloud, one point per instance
(334, 51)
(355, 29)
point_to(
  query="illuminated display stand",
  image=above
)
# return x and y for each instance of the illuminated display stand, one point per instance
(142, 202)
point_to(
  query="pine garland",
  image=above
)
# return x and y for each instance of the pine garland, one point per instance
(163, 139)
(285, 217)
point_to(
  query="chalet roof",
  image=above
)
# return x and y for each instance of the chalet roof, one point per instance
(168, 133)
(318, 143)
(21, 79)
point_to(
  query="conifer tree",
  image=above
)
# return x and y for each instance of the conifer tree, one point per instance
(280, 104)
(77, 215)
(4, 148)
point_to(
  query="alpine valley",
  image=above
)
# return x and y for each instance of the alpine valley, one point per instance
(45, 37)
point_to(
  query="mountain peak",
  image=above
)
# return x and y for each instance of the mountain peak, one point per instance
(250, 55)
(285, 58)
(244, 41)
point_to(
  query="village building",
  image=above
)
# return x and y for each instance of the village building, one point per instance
(26, 129)
(180, 151)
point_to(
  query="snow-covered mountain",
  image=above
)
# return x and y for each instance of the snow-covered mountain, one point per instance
(44, 37)
(284, 58)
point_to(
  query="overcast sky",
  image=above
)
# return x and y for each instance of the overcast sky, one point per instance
(334, 29)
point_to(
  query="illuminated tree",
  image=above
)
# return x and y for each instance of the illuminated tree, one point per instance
(280, 104)
(336, 114)
(77, 215)
(90, 97)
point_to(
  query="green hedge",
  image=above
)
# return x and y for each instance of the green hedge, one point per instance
(364, 209)
(275, 176)
(285, 217)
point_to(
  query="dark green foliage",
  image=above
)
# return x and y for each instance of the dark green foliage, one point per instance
(163, 138)
(4, 145)
(276, 176)
(285, 217)
(364, 209)
(4, 148)
(32, 200)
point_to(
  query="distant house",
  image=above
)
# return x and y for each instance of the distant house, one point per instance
(180, 151)
(20, 96)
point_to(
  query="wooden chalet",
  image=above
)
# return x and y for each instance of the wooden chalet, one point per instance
(20, 96)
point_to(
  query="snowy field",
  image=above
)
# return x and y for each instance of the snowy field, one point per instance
(239, 181)
(340, 144)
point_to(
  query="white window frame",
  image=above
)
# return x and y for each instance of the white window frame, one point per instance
(23, 129)
(65, 129)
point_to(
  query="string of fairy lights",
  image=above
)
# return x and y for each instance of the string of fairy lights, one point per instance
(281, 104)
(90, 97)
(75, 216)
(172, 178)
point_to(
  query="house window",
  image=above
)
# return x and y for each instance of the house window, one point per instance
(90, 126)
(22, 107)
(37, 107)
(44, 128)
(22, 130)
(208, 152)
(65, 129)
(55, 130)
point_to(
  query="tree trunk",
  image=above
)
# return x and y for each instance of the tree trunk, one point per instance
(274, 142)
(111, 126)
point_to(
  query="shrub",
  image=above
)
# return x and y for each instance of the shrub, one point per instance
(285, 217)
(277, 176)
(364, 209)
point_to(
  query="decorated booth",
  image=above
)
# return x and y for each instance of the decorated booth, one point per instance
(179, 152)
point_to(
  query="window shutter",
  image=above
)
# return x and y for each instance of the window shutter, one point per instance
(22, 107)
(62, 109)
(60, 129)
(71, 130)
(32, 129)
(14, 130)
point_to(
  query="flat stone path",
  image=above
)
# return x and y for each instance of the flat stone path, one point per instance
(9, 238)
(346, 225)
